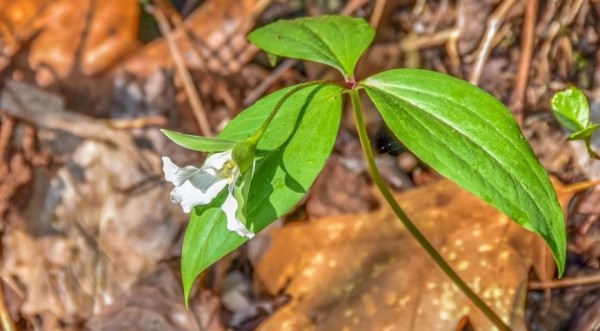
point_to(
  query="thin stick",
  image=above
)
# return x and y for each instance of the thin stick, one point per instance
(136, 123)
(5, 133)
(435, 39)
(483, 52)
(527, 41)
(377, 13)
(184, 74)
(566, 282)
(578, 187)
(270, 80)
(352, 6)
(7, 323)
(27, 104)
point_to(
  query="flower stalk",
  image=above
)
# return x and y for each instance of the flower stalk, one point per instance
(410, 226)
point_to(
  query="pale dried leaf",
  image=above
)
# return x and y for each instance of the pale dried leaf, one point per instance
(156, 303)
(85, 36)
(103, 222)
(213, 38)
(365, 272)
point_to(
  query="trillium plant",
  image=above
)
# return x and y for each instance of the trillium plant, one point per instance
(265, 160)
(572, 110)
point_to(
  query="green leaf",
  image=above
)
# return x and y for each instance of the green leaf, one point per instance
(585, 133)
(199, 143)
(290, 155)
(571, 109)
(471, 138)
(338, 41)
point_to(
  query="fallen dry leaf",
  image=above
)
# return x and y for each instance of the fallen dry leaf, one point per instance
(213, 38)
(85, 36)
(365, 272)
(101, 224)
(96, 224)
(156, 303)
(16, 25)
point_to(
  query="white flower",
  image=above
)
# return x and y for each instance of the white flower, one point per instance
(200, 186)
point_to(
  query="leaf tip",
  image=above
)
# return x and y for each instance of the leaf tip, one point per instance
(187, 290)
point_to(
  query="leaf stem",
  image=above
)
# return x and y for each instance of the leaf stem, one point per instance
(590, 149)
(410, 226)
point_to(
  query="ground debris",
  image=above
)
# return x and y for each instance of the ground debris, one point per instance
(365, 272)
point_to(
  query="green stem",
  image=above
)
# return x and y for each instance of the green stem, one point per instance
(286, 96)
(410, 226)
(590, 149)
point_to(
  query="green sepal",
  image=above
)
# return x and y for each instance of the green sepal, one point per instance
(199, 143)
(244, 152)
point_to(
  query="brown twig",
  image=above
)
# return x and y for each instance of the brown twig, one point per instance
(256, 93)
(377, 13)
(578, 187)
(30, 148)
(419, 7)
(527, 41)
(493, 24)
(26, 103)
(7, 323)
(20, 103)
(188, 84)
(453, 55)
(414, 42)
(136, 123)
(566, 282)
(5, 133)
(352, 6)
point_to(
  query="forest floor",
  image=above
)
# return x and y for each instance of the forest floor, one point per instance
(91, 241)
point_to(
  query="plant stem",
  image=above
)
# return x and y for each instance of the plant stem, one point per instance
(410, 226)
(590, 149)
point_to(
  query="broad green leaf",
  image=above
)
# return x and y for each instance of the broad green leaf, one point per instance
(199, 143)
(471, 138)
(290, 155)
(571, 109)
(338, 41)
(584, 134)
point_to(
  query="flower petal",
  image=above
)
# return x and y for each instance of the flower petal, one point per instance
(190, 195)
(175, 174)
(230, 207)
(217, 160)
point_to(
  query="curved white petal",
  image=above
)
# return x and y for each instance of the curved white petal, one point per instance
(175, 174)
(230, 207)
(189, 196)
(217, 160)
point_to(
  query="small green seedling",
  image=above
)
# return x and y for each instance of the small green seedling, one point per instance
(572, 110)
(266, 158)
